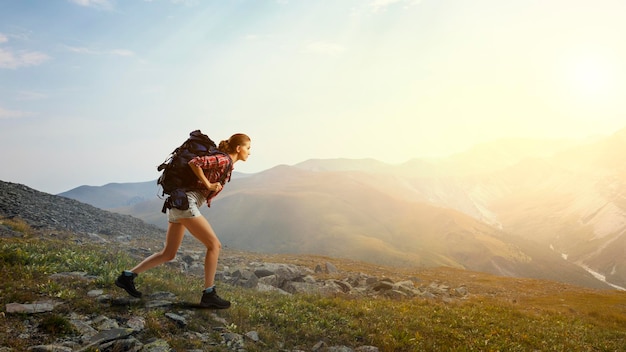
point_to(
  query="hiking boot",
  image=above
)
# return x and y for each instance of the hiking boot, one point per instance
(212, 300)
(128, 284)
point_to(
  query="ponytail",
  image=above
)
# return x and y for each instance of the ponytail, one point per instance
(230, 146)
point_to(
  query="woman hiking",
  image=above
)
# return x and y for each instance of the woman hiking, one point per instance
(209, 170)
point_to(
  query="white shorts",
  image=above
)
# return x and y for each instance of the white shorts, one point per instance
(196, 200)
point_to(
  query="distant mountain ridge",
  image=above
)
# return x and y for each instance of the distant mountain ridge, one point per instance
(539, 209)
(115, 195)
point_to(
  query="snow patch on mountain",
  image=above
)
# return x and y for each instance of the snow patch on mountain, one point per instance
(479, 196)
(608, 220)
(599, 276)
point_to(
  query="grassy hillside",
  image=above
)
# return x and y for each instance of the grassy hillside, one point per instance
(500, 313)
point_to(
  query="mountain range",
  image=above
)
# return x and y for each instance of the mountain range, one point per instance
(523, 208)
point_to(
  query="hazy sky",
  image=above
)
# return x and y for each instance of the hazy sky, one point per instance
(100, 91)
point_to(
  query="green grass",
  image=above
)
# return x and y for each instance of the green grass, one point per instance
(575, 320)
(422, 325)
(17, 225)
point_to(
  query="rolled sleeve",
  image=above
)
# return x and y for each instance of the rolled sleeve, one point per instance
(214, 167)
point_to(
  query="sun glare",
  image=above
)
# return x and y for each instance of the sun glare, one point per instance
(590, 76)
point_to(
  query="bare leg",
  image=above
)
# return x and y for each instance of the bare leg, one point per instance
(173, 239)
(200, 228)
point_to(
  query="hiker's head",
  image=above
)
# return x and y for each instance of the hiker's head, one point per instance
(238, 143)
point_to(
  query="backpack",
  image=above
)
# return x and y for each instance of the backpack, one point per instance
(177, 177)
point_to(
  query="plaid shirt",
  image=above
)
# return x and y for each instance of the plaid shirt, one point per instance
(214, 167)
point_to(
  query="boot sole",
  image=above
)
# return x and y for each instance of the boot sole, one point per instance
(134, 294)
(212, 306)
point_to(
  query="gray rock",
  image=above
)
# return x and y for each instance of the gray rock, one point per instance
(330, 287)
(318, 269)
(74, 275)
(162, 295)
(460, 291)
(253, 336)
(84, 329)
(285, 272)
(382, 285)
(395, 294)
(158, 303)
(330, 268)
(271, 280)
(102, 323)
(129, 344)
(345, 287)
(300, 287)
(49, 348)
(232, 340)
(268, 288)
(318, 346)
(178, 319)
(245, 278)
(109, 335)
(339, 349)
(31, 308)
(95, 293)
(156, 346)
(136, 323)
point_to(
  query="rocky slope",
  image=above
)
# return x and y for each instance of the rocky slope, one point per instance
(44, 211)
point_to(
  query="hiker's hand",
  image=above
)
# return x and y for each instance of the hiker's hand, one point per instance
(215, 187)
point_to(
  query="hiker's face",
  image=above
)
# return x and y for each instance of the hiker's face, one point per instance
(243, 151)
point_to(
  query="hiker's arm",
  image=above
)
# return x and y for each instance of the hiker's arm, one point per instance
(200, 174)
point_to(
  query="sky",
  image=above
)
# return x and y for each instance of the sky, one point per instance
(100, 91)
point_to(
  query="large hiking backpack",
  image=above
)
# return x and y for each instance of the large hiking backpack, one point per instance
(177, 177)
